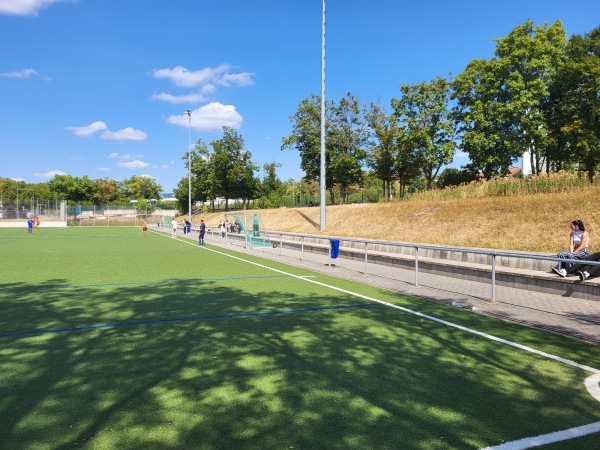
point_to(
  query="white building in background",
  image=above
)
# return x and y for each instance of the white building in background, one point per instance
(526, 168)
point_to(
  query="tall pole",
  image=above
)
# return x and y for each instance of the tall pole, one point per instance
(323, 120)
(189, 114)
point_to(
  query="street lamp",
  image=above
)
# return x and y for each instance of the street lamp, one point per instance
(189, 114)
(323, 185)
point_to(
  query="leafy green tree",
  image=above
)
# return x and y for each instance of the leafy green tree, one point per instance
(502, 104)
(306, 138)
(527, 60)
(345, 142)
(271, 182)
(140, 188)
(408, 161)
(271, 187)
(382, 146)
(424, 115)
(202, 174)
(483, 123)
(9, 189)
(73, 189)
(575, 105)
(233, 170)
(180, 192)
(452, 176)
(108, 191)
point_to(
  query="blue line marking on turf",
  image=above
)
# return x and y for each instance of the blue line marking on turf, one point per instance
(135, 283)
(187, 319)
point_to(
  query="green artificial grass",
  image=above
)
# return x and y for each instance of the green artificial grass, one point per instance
(109, 339)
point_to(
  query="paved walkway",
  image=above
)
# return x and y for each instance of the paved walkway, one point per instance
(573, 317)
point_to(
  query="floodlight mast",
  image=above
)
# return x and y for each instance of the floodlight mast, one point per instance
(189, 152)
(322, 189)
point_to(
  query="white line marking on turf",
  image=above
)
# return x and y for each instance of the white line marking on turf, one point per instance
(591, 382)
(435, 319)
(549, 438)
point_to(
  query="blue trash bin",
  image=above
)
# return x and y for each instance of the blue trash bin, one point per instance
(189, 228)
(334, 249)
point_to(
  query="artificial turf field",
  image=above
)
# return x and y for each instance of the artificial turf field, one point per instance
(111, 339)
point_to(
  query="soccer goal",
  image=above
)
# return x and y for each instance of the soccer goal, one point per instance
(246, 230)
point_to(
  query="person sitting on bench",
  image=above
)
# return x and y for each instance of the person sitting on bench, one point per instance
(585, 271)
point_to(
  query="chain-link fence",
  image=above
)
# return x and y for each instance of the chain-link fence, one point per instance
(14, 210)
(113, 215)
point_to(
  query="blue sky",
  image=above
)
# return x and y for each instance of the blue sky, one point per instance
(99, 87)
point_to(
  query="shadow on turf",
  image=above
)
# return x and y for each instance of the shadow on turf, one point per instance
(361, 378)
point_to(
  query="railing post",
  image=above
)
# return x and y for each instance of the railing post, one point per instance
(493, 277)
(280, 243)
(366, 256)
(302, 252)
(416, 265)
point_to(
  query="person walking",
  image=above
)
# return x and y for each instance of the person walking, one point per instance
(201, 230)
(578, 247)
(173, 228)
(30, 225)
(145, 227)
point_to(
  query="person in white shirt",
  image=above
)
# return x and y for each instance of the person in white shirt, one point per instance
(174, 228)
(578, 247)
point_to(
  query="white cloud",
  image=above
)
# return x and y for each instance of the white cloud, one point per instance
(206, 80)
(174, 99)
(25, 73)
(50, 174)
(211, 117)
(113, 155)
(131, 156)
(18, 179)
(180, 76)
(25, 7)
(88, 130)
(126, 134)
(238, 79)
(145, 175)
(137, 164)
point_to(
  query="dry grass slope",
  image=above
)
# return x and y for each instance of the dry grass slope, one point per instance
(536, 222)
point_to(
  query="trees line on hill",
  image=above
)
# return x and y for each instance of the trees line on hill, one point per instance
(539, 95)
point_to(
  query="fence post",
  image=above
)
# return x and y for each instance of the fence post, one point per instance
(302, 250)
(280, 244)
(416, 266)
(366, 256)
(493, 277)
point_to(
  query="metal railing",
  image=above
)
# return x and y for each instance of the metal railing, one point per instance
(323, 243)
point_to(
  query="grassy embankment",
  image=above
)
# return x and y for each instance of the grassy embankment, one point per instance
(508, 215)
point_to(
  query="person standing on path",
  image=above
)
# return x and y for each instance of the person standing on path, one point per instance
(173, 228)
(202, 230)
